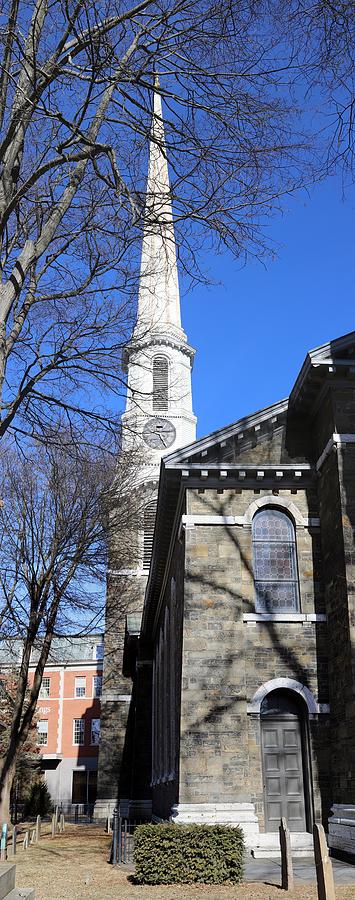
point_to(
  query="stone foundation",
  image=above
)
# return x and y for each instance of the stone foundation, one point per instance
(341, 835)
(103, 809)
(129, 809)
(233, 814)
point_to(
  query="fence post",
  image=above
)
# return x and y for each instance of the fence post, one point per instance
(26, 840)
(114, 836)
(324, 869)
(62, 823)
(76, 814)
(54, 825)
(3, 844)
(14, 839)
(38, 828)
(120, 839)
(286, 857)
(125, 842)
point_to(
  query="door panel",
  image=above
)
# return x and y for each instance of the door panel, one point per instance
(283, 774)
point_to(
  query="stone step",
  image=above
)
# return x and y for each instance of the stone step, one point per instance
(21, 894)
(267, 845)
(276, 854)
(7, 879)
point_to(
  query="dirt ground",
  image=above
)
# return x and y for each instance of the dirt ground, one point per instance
(73, 866)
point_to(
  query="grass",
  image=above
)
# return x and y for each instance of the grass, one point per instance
(73, 866)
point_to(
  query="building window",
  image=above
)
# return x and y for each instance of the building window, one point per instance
(97, 686)
(98, 651)
(160, 383)
(80, 686)
(42, 732)
(275, 562)
(95, 731)
(148, 532)
(45, 688)
(78, 731)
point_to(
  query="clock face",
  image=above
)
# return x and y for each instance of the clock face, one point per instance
(159, 433)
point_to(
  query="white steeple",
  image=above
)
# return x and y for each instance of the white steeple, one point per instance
(158, 300)
(158, 416)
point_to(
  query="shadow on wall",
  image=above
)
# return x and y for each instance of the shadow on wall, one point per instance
(286, 660)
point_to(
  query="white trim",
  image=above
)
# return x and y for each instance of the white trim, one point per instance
(292, 685)
(111, 698)
(275, 501)
(189, 521)
(284, 617)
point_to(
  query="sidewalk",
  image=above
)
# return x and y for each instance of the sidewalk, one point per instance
(269, 871)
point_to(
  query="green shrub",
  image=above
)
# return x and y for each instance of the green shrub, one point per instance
(38, 802)
(185, 854)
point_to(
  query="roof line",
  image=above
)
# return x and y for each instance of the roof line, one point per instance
(227, 431)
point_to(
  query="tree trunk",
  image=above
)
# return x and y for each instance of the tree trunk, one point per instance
(5, 795)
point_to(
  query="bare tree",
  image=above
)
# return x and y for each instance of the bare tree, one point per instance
(28, 759)
(319, 41)
(75, 110)
(57, 512)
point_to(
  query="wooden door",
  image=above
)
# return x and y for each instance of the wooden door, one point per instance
(283, 773)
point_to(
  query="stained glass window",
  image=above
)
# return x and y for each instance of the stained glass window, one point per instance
(275, 563)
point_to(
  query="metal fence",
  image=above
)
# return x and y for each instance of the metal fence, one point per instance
(75, 813)
(122, 846)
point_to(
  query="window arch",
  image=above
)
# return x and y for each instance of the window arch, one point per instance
(275, 562)
(160, 383)
(148, 532)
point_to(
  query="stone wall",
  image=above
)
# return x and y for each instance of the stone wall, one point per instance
(125, 595)
(337, 513)
(165, 784)
(227, 656)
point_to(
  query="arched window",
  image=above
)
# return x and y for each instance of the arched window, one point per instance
(275, 562)
(148, 532)
(160, 383)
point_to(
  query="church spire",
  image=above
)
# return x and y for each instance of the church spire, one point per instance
(159, 298)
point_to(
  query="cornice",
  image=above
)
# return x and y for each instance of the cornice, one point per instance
(158, 339)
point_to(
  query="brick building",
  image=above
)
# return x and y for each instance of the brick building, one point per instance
(231, 697)
(68, 715)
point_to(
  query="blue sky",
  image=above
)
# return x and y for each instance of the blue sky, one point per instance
(253, 329)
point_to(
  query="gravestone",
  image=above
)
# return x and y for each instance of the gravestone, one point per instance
(286, 857)
(324, 869)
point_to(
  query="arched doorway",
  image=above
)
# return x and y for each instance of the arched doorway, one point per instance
(285, 761)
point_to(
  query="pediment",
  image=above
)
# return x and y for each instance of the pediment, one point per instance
(230, 443)
(240, 441)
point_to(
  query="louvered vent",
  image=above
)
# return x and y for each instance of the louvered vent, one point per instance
(160, 383)
(148, 532)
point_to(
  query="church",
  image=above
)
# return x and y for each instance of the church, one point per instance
(229, 674)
